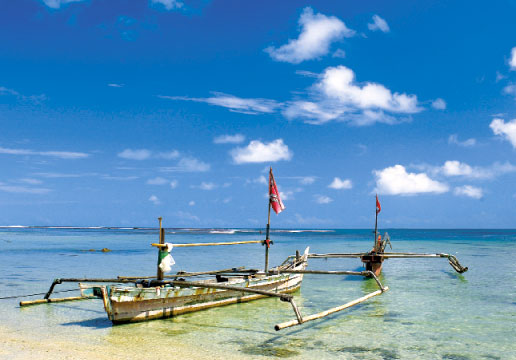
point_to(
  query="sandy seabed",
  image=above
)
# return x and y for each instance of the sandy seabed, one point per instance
(16, 345)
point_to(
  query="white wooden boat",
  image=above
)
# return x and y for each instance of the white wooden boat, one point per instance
(138, 303)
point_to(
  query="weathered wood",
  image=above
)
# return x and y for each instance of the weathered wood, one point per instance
(227, 287)
(160, 273)
(187, 274)
(366, 273)
(45, 301)
(212, 244)
(329, 311)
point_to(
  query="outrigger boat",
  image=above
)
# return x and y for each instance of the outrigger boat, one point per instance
(132, 299)
(373, 260)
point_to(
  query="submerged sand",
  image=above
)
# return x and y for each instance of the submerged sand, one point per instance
(15, 344)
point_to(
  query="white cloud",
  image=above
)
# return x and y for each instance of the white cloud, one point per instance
(23, 189)
(257, 152)
(56, 154)
(144, 154)
(339, 184)
(339, 53)
(510, 90)
(115, 85)
(170, 155)
(229, 139)
(31, 181)
(339, 83)
(379, 24)
(506, 130)
(140, 154)
(453, 139)
(154, 199)
(512, 60)
(318, 32)
(205, 186)
(323, 199)
(174, 184)
(456, 168)
(250, 106)
(307, 180)
(395, 180)
(169, 4)
(56, 4)
(35, 99)
(190, 164)
(439, 104)
(338, 96)
(468, 190)
(191, 203)
(157, 181)
(259, 180)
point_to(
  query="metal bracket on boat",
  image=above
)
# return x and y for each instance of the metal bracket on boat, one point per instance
(300, 319)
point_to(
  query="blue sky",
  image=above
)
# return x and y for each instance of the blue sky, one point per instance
(116, 112)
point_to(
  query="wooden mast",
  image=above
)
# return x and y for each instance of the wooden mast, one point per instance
(161, 241)
(376, 223)
(267, 232)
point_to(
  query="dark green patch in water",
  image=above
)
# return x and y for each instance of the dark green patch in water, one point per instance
(268, 349)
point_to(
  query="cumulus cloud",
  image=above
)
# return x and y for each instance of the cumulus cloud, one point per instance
(454, 139)
(257, 152)
(318, 32)
(339, 184)
(439, 104)
(470, 191)
(55, 154)
(250, 106)
(395, 180)
(169, 4)
(456, 168)
(323, 199)
(191, 203)
(173, 184)
(512, 60)
(378, 24)
(154, 199)
(56, 4)
(229, 139)
(338, 96)
(505, 130)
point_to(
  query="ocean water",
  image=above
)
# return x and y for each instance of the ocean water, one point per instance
(430, 311)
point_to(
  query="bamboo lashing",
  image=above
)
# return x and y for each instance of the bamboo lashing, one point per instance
(211, 244)
(322, 314)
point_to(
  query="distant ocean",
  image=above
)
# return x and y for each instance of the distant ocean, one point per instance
(430, 311)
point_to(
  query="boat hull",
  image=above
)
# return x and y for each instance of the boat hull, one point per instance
(373, 263)
(125, 304)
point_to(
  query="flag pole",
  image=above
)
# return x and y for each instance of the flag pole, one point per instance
(376, 222)
(267, 233)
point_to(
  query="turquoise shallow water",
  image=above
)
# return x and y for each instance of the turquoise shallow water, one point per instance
(430, 311)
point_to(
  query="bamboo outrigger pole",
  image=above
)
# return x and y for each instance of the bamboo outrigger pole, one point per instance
(161, 242)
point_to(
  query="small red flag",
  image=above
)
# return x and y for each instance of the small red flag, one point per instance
(274, 197)
(378, 207)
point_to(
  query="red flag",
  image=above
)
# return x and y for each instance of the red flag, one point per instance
(274, 197)
(378, 207)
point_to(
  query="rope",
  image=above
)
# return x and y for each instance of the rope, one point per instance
(20, 296)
